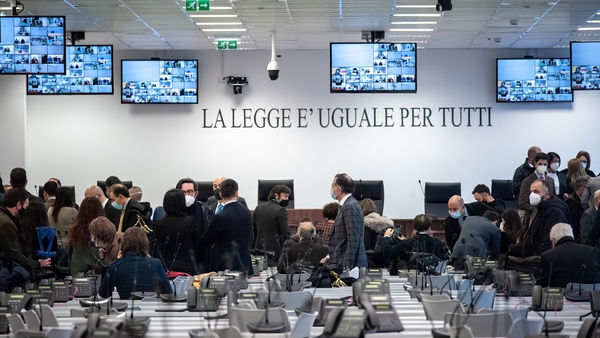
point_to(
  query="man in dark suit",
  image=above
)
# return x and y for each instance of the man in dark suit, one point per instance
(592, 186)
(573, 201)
(482, 194)
(50, 189)
(133, 213)
(541, 161)
(18, 179)
(458, 212)
(216, 200)
(346, 245)
(270, 220)
(589, 235)
(307, 250)
(524, 170)
(230, 233)
(568, 261)
(549, 210)
(111, 213)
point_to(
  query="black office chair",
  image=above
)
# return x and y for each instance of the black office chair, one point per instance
(41, 190)
(265, 186)
(437, 196)
(502, 189)
(370, 189)
(205, 190)
(102, 185)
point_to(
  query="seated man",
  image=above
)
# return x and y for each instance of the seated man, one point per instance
(422, 241)
(567, 261)
(136, 270)
(587, 222)
(305, 252)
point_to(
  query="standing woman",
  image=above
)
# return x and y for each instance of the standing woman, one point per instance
(574, 170)
(584, 157)
(83, 254)
(183, 235)
(560, 179)
(62, 214)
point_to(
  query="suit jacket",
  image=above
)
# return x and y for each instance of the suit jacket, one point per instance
(230, 231)
(305, 249)
(212, 203)
(586, 224)
(9, 242)
(135, 273)
(576, 209)
(546, 215)
(270, 223)
(568, 259)
(523, 201)
(132, 210)
(421, 242)
(346, 245)
(171, 226)
(588, 194)
(112, 214)
(521, 172)
(563, 187)
(479, 237)
(66, 216)
(452, 226)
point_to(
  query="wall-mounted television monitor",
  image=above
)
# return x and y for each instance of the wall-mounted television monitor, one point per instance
(159, 81)
(373, 67)
(89, 71)
(32, 44)
(533, 80)
(585, 65)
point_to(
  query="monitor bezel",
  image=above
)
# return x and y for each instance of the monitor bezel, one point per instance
(573, 65)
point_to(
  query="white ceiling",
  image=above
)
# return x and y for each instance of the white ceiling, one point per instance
(312, 24)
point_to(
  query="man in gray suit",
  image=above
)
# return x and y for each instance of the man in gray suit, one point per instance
(346, 245)
(587, 220)
(592, 186)
(479, 238)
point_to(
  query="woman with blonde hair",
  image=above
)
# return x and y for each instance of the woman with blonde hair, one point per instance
(574, 170)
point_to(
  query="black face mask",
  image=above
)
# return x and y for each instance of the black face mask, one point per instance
(217, 193)
(284, 203)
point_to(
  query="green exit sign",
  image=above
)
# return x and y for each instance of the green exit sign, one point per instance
(227, 44)
(197, 5)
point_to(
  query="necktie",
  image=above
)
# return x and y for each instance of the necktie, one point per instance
(219, 208)
(121, 221)
(542, 177)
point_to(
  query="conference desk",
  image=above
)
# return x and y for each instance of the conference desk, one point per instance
(410, 311)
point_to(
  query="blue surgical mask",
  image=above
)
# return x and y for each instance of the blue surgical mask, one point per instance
(331, 193)
(117, 206)
(455, 214)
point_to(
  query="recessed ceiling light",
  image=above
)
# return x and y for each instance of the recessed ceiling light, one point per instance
(589, 29)
(411, 30)
(221, 7)
(415, 6)
(593, 21)
(213, 16)
(217, 23)
(225, 30)
(414, 23)
(422, 15)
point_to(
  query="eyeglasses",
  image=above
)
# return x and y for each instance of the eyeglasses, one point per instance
(189, 192)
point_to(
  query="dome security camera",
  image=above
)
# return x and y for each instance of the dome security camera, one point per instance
(273, 69)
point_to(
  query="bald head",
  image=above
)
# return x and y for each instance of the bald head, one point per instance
(456, 204)
(217, 182)
(532, 152)
(95, 191)
(305, 230)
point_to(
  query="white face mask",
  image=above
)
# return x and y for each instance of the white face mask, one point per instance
(541, 169)
(189, 200)
(555, 166)
(534, 199)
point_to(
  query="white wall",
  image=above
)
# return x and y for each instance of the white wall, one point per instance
(12, 124)
(81, 139)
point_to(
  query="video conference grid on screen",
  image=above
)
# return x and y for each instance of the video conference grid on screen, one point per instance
(89, 71)
(373, 67)
(585, 65)
(32, 44)
(533, 80)
(159, 81)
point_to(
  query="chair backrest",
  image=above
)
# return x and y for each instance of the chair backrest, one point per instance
(102, 185)
(442, 282)
(502, 189)
(47, 233)
(240, 318)
(182, 283)
(370, 189)
(514, 314)
(437, 309)
(523, 327)
(435, 296)
(571, 287)
(41, 190)
(437, 196)
(159, 213)
(48, 317)
(32, 320)
(478, 299)
(292, 300)
(482, 325)
(16, 323)
(265, 186)
(303, 325)
(205, 190)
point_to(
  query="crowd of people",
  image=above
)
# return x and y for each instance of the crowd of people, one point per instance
(113, 232)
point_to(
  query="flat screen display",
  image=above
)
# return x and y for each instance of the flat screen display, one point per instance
(32, 44)
(533, 80)
(89, 71)
(159, 81)
(373, 67)
(585, 65)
